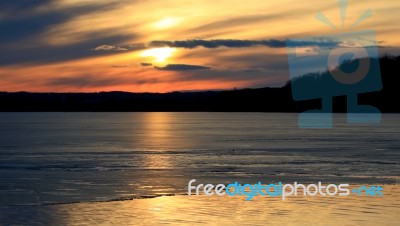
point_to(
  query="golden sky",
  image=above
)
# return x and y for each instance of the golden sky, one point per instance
(168, 45)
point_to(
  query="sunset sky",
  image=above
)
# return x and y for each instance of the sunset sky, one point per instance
(167, 45)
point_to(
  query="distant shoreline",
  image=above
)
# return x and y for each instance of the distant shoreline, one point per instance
(238, 100)
(262, 100)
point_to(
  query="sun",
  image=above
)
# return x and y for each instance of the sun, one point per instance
(159, 54)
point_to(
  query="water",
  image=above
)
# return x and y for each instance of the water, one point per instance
(74, 157)
(202, 210)
(55, 158)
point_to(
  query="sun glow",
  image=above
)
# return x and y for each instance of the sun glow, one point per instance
(166, 23)
(159, 54)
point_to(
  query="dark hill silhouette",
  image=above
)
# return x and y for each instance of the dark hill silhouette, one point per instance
(262, 100)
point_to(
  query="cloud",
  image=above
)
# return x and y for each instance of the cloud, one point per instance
(84, 81)
(12, 9)
(194, 43)
(26, 19)
(238, 43)
(133, 47)
(182, 67)
(248, 78)
(232, 43)
(144, 64)
(237, 21)
(109, 48)
(28, 23)
(137, 46)
(39, 54)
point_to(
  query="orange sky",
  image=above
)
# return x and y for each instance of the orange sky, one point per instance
(103, 45)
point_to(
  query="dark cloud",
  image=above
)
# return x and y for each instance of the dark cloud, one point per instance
(232, 43)
(85, 81)
(144, 64)
(10, 9)
(37, 54)
(22, 21)
(23, 27)
(182, 67)
(137, 46)
(238, 43)
(323, 42)
(256, 78)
